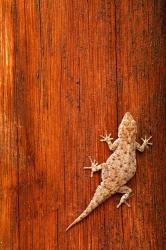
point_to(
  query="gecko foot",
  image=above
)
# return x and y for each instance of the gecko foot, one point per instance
(93, 166)
(146, 141)
(125, 202)
(126, 194)
(106, 138)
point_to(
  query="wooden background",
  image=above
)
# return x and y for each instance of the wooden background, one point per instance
(69, 70)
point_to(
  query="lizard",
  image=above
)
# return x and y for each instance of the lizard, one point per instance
(119, 168)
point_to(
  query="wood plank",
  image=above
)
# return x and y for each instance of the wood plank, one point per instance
(92, 70)
(69, 71)
(37, 104)
(9, 233)
(141, 90)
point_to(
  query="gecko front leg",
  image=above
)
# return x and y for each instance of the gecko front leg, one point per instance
(108, 139)
(144, 145)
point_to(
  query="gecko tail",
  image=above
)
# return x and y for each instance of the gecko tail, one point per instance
(99, 197)
(84, 214)
(72, 224)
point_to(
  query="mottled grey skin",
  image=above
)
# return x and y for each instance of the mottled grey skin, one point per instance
(119, 168)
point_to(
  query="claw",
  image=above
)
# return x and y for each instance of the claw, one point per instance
(127, 204)
(90, 158)
(119, 205)
(103, 138)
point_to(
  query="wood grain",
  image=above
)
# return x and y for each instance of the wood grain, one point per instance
(69, 70)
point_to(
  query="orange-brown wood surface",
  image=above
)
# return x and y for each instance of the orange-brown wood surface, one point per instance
(69, 70)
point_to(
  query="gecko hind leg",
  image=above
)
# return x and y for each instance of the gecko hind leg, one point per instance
(126, 191)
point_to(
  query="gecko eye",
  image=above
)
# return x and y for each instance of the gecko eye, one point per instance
(126, 123)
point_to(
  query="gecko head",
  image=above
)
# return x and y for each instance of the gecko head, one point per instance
(128, 127)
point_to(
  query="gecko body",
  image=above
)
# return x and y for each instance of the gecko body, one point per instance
(119, 168)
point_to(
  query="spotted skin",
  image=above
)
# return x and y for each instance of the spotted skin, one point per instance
(119, 168)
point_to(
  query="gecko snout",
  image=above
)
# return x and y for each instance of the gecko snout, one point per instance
(128, 116)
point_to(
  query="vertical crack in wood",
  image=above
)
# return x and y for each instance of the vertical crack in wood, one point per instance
(15, 112)
(117, 87)
(116, 65)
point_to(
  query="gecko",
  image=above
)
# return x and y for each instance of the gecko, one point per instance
(119, 168)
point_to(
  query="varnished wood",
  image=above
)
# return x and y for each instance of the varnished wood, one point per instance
(69, 70)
